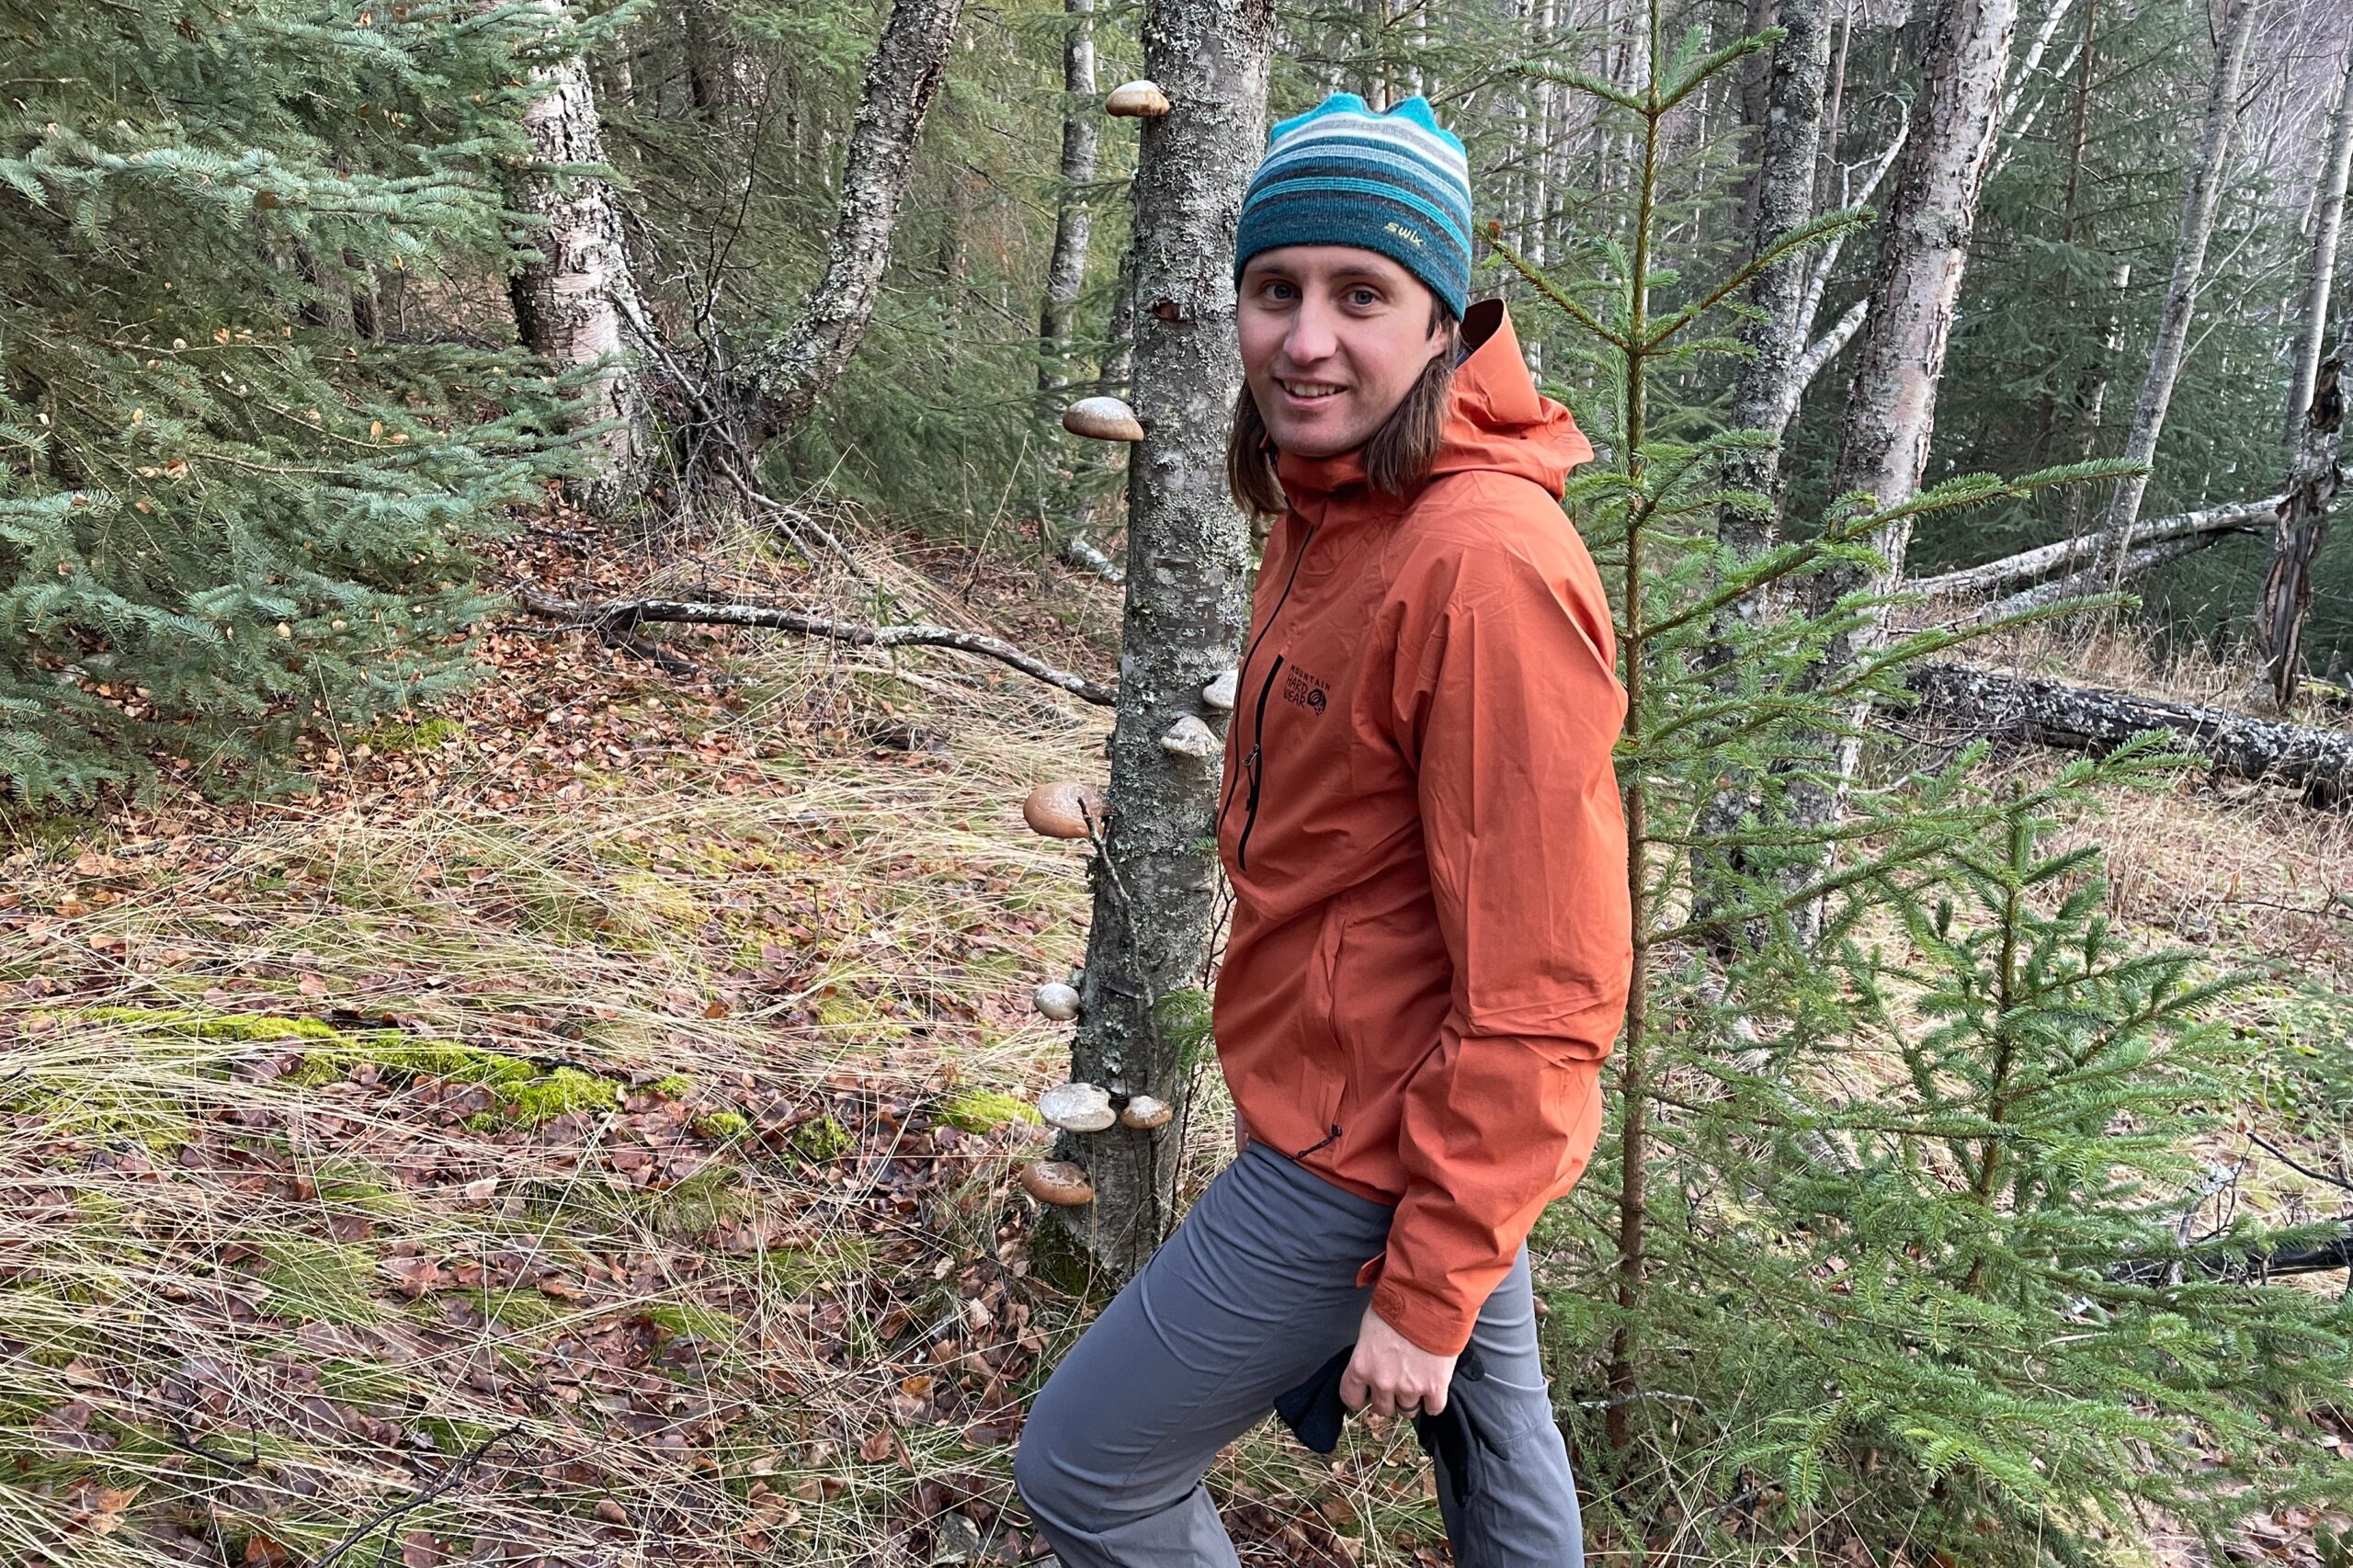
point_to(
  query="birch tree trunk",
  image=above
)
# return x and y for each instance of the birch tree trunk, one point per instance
(1073, 217)
(789, 375)
(2303, 521)
(2198, 204)
(1188, 571)
(572, 306)
(2327, 224)
(1788, 139)
(1891, 402)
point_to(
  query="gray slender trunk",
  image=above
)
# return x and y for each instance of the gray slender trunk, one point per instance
(2329, 223)
(790, 375)
(1786, 116)
(1891, 404)
(2303, 523)
(1788, 137)
(1188, 574)
(1073, 216)
(572, 306)
(2198, 203)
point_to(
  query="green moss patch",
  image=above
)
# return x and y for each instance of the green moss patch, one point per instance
(980, 1110)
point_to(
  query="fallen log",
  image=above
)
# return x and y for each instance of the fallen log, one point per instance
(2144, 558)
(2232, 516)
(625, 615)
(1984, 702)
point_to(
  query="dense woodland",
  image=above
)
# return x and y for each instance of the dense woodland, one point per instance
(354, 355)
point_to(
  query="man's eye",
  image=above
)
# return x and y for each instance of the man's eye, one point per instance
(1363, 297)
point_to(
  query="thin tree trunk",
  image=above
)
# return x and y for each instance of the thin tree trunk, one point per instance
(1188, 571)
(1891, 404)
(2047, 410)
(2329, 223)
(2304, 522)
(790, 375)
(1788, 125)
(2198, 203)
(1074, 214)
(574, 305)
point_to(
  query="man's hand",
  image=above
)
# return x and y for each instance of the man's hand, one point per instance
(1391, 1375)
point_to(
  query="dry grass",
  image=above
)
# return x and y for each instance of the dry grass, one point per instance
(678, 1254)
(544, 1147)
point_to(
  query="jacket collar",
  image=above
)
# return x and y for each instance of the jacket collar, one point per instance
(1496, 420)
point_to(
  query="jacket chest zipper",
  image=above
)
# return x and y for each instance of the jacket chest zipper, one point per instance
(1251, 763)
(1256, 764)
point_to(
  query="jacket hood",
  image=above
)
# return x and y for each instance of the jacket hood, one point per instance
(1497, 420)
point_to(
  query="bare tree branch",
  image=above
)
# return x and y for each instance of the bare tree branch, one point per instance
(626, 614)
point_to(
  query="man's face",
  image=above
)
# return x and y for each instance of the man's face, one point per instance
(1333, 337)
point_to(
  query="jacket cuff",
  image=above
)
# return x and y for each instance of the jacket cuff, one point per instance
(1435, 1322)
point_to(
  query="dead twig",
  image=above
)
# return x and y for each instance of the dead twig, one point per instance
(626, 614)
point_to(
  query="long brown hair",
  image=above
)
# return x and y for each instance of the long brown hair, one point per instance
(1397, 456)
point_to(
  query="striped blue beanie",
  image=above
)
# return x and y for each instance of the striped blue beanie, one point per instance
(1341, 175)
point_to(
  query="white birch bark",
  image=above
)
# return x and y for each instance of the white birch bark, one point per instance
(2198, 203)
(1890, 404)
(572, 305)
(2327, 224)
(1188, 574)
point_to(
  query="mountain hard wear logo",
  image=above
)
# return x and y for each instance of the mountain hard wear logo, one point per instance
(1311, 692)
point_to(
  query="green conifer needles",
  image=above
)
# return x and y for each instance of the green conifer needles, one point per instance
(1904, 1233)
(245, 429)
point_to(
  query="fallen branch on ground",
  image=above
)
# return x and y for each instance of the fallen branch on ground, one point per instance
(627, 614)
(2232, 516)
(2087, 719)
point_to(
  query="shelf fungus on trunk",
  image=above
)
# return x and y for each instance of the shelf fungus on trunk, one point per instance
(1102, 419)
(1057, 1182)
(1064, 809)
(1056, 1000)
(1218, 693)
(1189, 737)
(1136, 100)
(1077, 1108)
(1143, 1111)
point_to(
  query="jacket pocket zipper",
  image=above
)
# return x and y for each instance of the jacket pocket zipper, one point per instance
(1257, 765)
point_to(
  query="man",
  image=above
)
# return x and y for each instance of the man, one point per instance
(1431, 946)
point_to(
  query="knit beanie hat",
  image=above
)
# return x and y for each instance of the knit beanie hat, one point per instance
(1341, 175)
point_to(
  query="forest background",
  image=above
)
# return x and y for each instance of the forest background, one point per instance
(490, 1175)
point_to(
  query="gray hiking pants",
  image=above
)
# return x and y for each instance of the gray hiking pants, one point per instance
(1254, 1291)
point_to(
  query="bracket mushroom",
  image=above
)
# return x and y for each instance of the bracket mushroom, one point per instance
(1056, 1000)
(1057, 1182)
(1077, 1108)
(1220, 693)
(1062, 810)
(1189, 737)
(1103, 419)
(1136, 100)
(1143, 1111)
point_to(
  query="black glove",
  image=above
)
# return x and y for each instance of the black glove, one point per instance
(1313, 1413)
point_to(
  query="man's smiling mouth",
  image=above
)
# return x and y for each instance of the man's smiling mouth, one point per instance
(1309, 392)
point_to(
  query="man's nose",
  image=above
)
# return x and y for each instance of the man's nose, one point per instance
(1311, 338)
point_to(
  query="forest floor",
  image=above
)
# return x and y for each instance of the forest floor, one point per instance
(580, 1131)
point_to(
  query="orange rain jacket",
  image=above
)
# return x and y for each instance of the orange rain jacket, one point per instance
(1431, 936)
